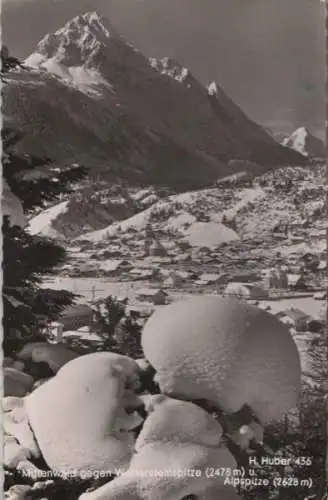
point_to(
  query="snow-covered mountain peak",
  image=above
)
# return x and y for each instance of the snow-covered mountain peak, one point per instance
(304, 142)
(77, 42)
(88, 27)
(72, 52)
(170, 67)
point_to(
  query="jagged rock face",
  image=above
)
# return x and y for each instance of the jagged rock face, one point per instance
(111, 110)
(170, 67)
(226, 352)
(78, 41)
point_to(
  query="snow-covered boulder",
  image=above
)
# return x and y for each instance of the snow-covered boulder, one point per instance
(19, 492)
(226, 352)
(55, 355)
(10, 402)
(177, 438)
(19, 441)
(16, 383)
(7, 361)
(18, 365)
(13, 452)
(79, 417)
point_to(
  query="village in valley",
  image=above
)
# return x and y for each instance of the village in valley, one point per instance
(258, 239)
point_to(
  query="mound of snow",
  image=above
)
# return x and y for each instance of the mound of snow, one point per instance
(16, 383)
(54, 355)
(79, 416)
(209, 234)
(195, 347)
(42, 223)
(176, 437)
(19, 442)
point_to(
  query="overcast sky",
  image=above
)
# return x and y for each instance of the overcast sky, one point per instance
(268, 55)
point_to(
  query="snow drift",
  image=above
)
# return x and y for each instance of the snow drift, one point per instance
(224, 351)
(79, 417)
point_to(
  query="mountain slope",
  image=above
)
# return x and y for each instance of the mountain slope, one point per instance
(302, 141)
(87, 95)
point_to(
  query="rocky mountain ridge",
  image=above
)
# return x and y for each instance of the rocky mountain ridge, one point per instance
(87, 95)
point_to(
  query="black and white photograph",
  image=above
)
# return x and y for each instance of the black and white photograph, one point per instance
(164, 249)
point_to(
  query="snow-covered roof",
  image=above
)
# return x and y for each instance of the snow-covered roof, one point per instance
(141, 272)
(76, 310)
(112, 265)
(296, 314)
(209, 278)
(293, 279)
(245, 290)
(150, 292)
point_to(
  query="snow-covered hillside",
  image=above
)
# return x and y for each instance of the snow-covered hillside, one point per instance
(196, 217)
(285, 204)
(294, 197)
(42, 223)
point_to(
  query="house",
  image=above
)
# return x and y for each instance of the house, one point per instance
(55, 332)
(212, 279)
(296, 282)
(274, 279)
(139, 273)
(88, 338)
(174, 280)
(245, 291)
(264, 307)
(76, 316)
(155, 296)
(310, 261)
(114, 266)
(156, 249)
(280, 230)
(322, 267)
(249, 277)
